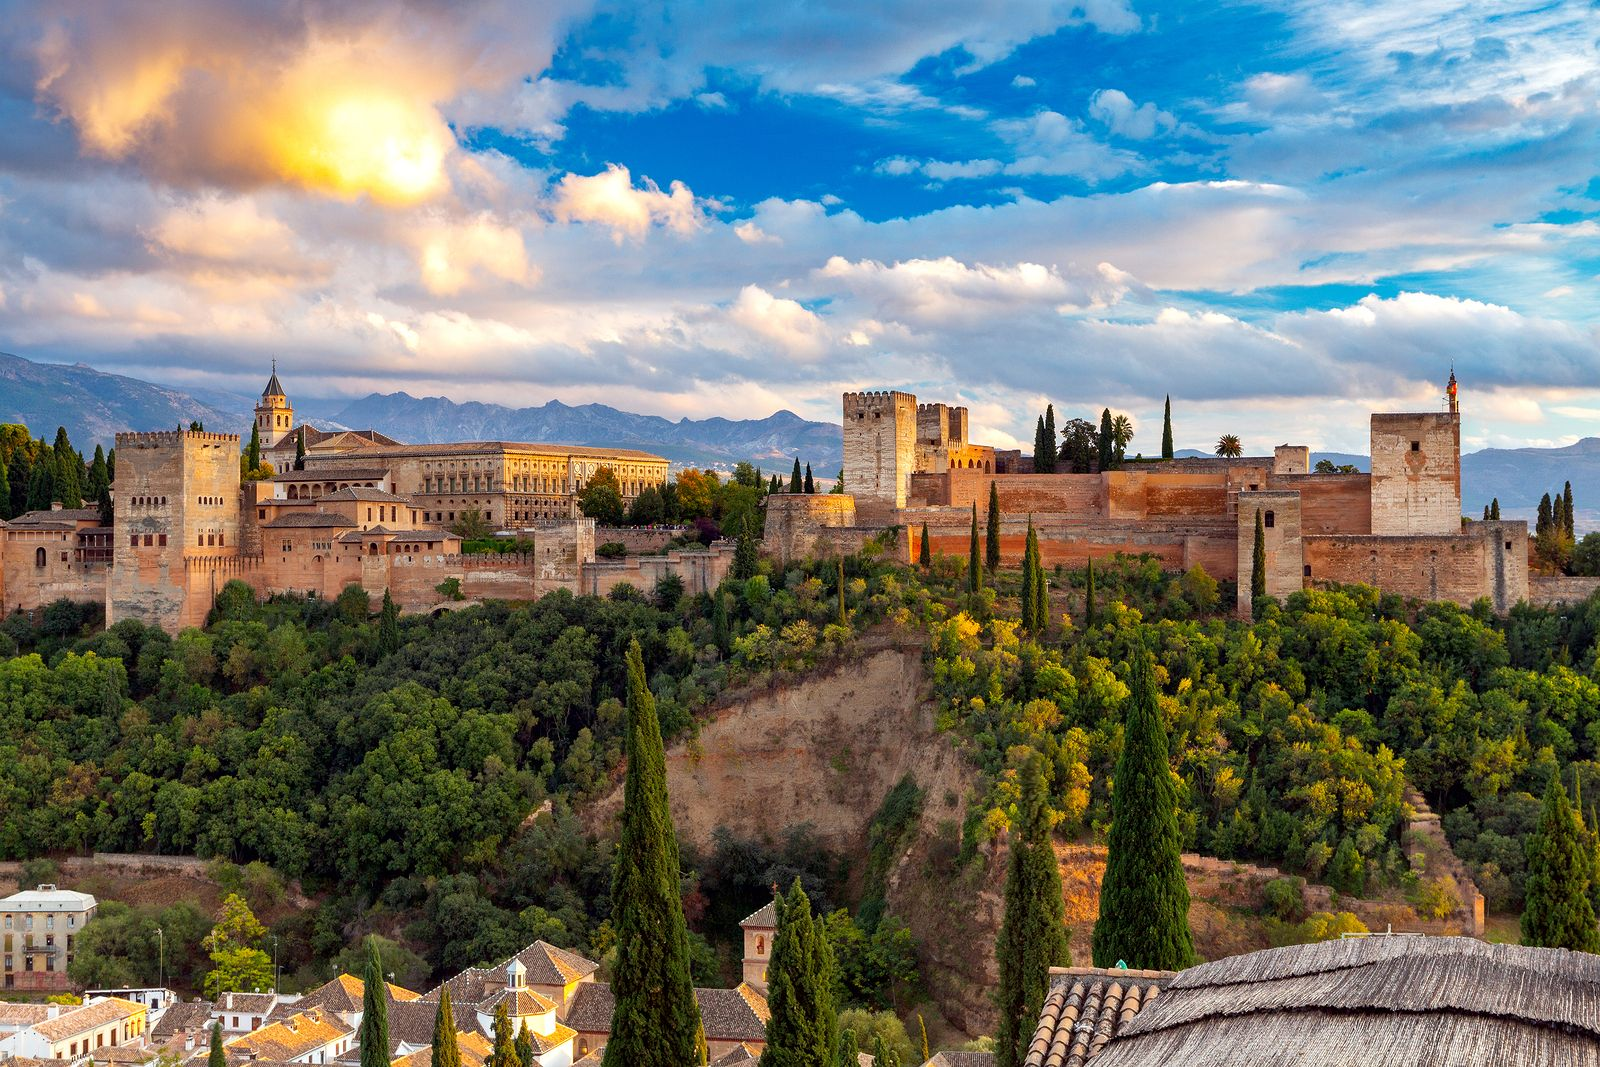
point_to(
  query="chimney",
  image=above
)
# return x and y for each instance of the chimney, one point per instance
(230, 1001)
(53, 1011)
(55, 505)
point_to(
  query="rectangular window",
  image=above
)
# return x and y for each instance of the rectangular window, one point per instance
(148, 540)
(1416, 446)
(162, 541)
(133, 540)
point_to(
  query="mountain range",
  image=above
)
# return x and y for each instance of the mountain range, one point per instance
(94, 406)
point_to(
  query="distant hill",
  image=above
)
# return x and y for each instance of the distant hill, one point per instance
(772, 442)
(95, 406)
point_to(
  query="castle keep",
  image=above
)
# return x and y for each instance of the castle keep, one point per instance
(1399, 528)
(359, 508)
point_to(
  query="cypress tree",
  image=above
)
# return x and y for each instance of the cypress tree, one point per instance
(446, 1052)
(1494, 509)
(21, 482)
(1546, 516)
(1050, 447)
(1486, 513)
(922, 1027)
(844, 618)
(773, 485)
(1258, 569)
(720, 632)
(1558, 912)
(505, 1044)
(925, 559)
(217, 1058)
(1166, 429)
(388, 626)
(882, 1054)
(1041, 590)
(849, 1050)
(374, 1036)
(42, 483)
(1033, 931)
(524, 1046)
(810, 486)
(974, 562)
(1144, 901)
(804, 1028)
(1566, 509)
(746, 555)
(991, 532)
(111, 465)
(5, 493)
(69, 471)
(1558, 517)
(100, 486)
(252, 452)
(796, 482)
(1041, 448)
(1025, 593)
(656, 1016)
(300, 450)
(1105, 449)
(1088, 596)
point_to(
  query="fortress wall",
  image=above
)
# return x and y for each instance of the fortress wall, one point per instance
(639, 539)
(28, 586)
(1548, 592)
(799, 525)
(1078, 495)
(1071, 545)
(1331, 503)
(1416, 473)
(1137, 495)
(701, 571)
(1460, 568)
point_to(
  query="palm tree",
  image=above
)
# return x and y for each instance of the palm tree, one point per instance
(1228, 446)
(1121, 434)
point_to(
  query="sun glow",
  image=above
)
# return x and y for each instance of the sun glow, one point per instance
(363, 143)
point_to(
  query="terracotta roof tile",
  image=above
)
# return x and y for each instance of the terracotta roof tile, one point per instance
(314, 520)
(23, 1014)
(1085, 1009)
(303, 1032)
(98, 1013)
(187, 1016)
(745, 1052)
(474, 1047)
(738, 1014)
(764, 918)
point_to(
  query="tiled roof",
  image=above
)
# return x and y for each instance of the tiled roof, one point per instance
(1406, 1001)
(343, 993)
(334, 474)
(315, 437)
(23, 1014)
(543, 1043)
(745, 1052)
(273, 388)
(245, 1003)
(518, 1002)
(961, 1059)
(29, 518)
(465, 448)
(595, 1058)
(123, 1054)
(764, 918)
(405, 535)
(303, 1032)
(1085, 1009)
(474, 1047)
(738, 1014)
(99, 1013)
(546, 965)
(308, 520)
(363, 492)
(187, 1016)
(411, 1022)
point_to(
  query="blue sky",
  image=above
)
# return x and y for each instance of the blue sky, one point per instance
(1285, 215)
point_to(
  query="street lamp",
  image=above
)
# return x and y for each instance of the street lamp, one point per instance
(274, 964)
(161, 959)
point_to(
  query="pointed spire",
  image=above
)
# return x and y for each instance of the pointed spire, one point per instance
(273, 387)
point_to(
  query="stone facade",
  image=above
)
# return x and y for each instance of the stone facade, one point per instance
(1416, 473)
(1280, 542)
(880, 449)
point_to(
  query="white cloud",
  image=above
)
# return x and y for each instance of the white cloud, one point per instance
(1051, 143)
(1022, 81)
(610, 199)
(924, 292)
(1117, 112)
(796, 330)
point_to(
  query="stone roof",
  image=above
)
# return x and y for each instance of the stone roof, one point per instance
(738, 1014)
(314, 437)
(184, 1016)
(123, 1054)
(744, 1052)
(273, 387)
(1087, 1007)
(99, 1013)
(333, 474)
(543, 1043)
(24, 1014)
(518, 1002)
(288, 1039)
(1399, 1001)
(764, 917)
(245, 1003)
(475, 1051)
(411, 1023)
(961, 1059)
(53, 518)
(467, 448)
(308, 520)
(404, 535)
(545, 965)
(363, 492)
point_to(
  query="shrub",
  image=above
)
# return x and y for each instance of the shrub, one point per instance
(1285, 898)
(611, 550)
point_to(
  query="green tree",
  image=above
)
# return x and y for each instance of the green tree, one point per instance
(374, 1037)
(796, 481)
(647, 508)
(883, 1053)
(721, 633)
(1166, 429)
(1228, 446)
(804, 1028)
(1079, 443)
(21, 482)
(446, 1052)
(1040, 600)
(1494, 509)
(69, 471)
(1052, 455)
(252, 451)
(601, 502)
(505, 1042)
(656, 1015)
(849, 1051)
(42, 482)
(1033, 930)
(746, 555)
(5, 491)
(217, 1058)
(810, 486)
(1041, 448)
(388, 626)
(1104, 448)
(300, 450)
(1088, 594)
(236, 964)
(991, 532)
(1558, 912)
(99, 486)
(1258, 569)
(844, 617)
(974, 561)
(1121, 437)
(922, 1029)
(1144, 901)
(1566, 509)
(924, 555)
(525, 1046)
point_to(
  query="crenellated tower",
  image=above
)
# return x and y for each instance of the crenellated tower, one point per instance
(880, 450)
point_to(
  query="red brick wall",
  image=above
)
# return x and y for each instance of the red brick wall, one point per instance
(1073, 494)
(1332, 503)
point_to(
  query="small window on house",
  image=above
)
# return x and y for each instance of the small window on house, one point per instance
(1270, 520)
(1416, 446)
(1307, 570)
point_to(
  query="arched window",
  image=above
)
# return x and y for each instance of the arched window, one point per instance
(761, 945)
(39, 558)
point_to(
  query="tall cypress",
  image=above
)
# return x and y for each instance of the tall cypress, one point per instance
(810, 485)
(804, 1028)
(1494, 509)
(844, 618)
(100, 486)
(991, 532)
(388, 626)
(1166, 429)
(1088, 595)
(217, 1058)
(69, 471)
(656, 1017)
(5, 492)
(446, 1052)
(746, 554)
(925, 558)
(1545, 517)
(1033, 931)
(524, 1047)
(1105, 449)
(505, 1042)
(1026, 590)
(1258, 570)
(796, 482)
(1558, 912)
(252, 452)
(1051, 449)
(1041, 587)
(974, 561)
(1566, 509)
(849, 1050)
(1041, 448)
(1144, 901)
(374, 1036)
(721, 632)
(882, 1054)
(300, 450)
(1486, 513)
(42, 483)
(21, 482)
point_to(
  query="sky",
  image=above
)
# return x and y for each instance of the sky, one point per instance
(1283, 215)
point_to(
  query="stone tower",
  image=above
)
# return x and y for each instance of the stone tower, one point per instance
(1416, 471)
(177, 498)
(274, 416)
(880, 450)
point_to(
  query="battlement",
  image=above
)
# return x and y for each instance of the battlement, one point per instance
(883, 400)
(168, 438)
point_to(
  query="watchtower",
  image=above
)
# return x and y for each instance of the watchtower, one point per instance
(177, 496)
(880, 449)
(274, 416)
(1416, 473)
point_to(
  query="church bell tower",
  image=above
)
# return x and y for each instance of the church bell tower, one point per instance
(274, 416)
